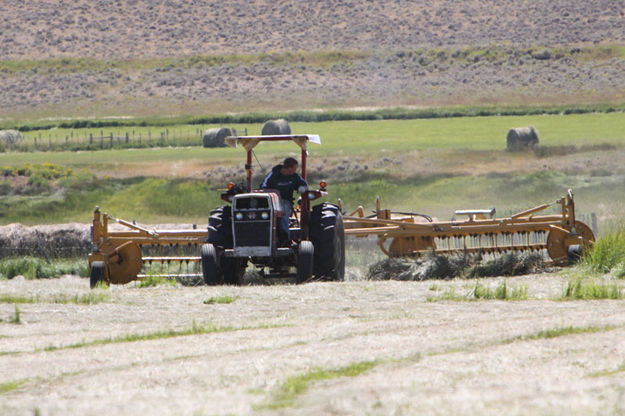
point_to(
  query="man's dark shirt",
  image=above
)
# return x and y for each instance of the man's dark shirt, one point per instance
(285, 184)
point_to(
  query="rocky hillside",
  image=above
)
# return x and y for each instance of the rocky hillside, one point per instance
(146, 28)
(198, 56)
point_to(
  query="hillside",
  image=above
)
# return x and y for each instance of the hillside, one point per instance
(137, 29)
(201, 56)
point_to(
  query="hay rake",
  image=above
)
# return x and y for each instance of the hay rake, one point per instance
(122, 254)
(404, 234)
(119, 256)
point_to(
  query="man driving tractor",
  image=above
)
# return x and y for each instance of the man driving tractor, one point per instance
(285, 180)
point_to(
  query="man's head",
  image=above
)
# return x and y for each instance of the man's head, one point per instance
(289, 166)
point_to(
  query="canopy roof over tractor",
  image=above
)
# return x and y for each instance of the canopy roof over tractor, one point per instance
(249, 142)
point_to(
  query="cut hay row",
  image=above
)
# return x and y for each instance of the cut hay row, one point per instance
(46, 241)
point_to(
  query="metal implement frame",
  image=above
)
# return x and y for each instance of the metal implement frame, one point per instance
(120, 250)
(410, 236)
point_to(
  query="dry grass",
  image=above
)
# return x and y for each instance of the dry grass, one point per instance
(309, 348)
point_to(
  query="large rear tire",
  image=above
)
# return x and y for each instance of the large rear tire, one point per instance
(327, 233)
(233, 270)
(220, 226)
(305, 260)
(210, 268)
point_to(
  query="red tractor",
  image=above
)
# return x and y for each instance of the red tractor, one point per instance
(247, 230)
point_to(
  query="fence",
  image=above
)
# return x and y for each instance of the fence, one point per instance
(90, 139)
(125, 139)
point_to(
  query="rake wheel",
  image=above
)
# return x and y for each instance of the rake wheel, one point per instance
(124, 263)
(558, 246)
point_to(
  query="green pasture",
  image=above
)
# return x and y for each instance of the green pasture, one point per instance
(349, 138)
(139, 183)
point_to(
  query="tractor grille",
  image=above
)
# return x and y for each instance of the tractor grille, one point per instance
(252, 233)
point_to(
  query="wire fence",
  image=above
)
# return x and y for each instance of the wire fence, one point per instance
(86, 139)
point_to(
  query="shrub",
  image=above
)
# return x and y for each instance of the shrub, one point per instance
(579, 288)
(5, 187)
(27, 267)
(34, 268)
(607, 254)
(152, 280)
(38, 183)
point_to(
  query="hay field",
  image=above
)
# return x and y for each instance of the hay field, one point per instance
(323, 348)
(356, 347)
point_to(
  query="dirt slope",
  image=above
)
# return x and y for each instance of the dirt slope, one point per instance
(393, 71)
(135, 28)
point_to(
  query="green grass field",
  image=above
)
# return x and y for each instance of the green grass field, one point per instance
(429, 165)
(357, 137)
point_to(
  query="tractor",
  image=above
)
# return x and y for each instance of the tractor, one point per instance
(246, 230)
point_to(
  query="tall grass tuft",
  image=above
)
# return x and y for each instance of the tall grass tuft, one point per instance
(483, 292)
(152, 280)
(91, 298)
(17, 318)
(586, 289)
(220, 300)
(608, 254)
(37, 268)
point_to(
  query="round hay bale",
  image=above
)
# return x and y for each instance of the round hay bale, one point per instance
(521, 138)
(10, 137)
(276, 127)
(215, 137)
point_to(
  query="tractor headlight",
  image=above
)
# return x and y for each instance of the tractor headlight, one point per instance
(264, 215)
(311, 195)
(238, 216)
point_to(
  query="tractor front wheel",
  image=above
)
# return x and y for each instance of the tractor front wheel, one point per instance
(210, 268)
(305, 258)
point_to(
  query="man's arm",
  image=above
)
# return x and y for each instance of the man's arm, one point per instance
(268, 182)
(301, 182)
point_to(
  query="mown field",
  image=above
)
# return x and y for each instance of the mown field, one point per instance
(322, 348)
(413, 102)
(363, 346)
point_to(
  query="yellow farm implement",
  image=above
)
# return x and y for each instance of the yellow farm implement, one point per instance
(246, 231)
(404, 235)
(119, 256)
